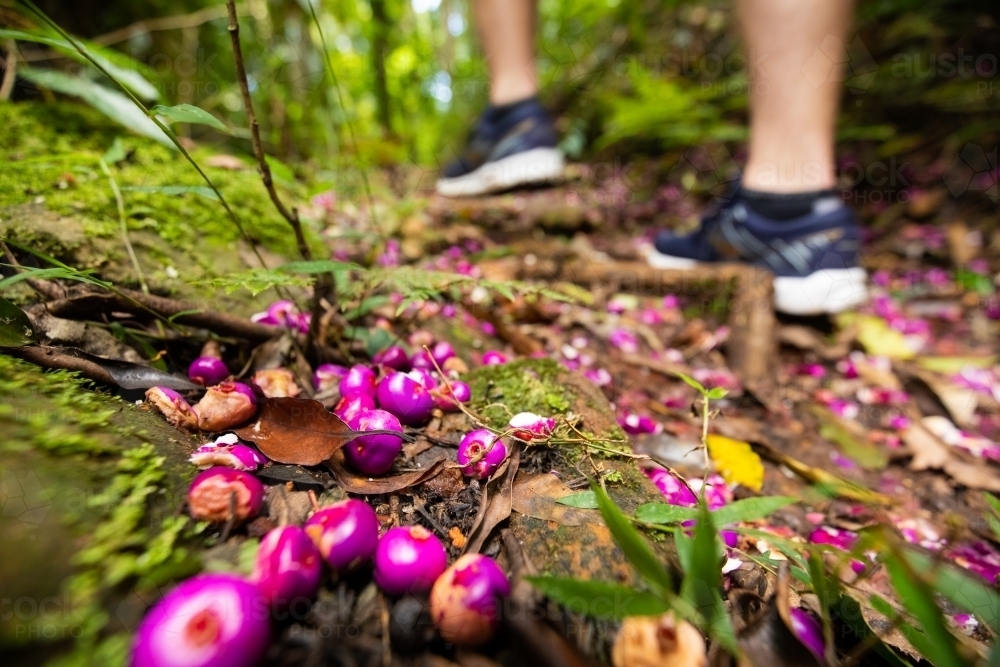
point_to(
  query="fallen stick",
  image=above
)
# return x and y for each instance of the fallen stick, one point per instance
(751, 346)
(87, 305)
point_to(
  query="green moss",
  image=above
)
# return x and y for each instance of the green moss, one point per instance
(526, 385)
(91, 487)
(51, 155)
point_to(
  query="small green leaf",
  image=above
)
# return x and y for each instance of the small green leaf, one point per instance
(189, 113)
(703, 582)
(599, 599)
(632, 543)
(715, 393)
(317, 266)
(116, 153)
(750, 509)
(664, 513)
(15, 327)
(691, 381)
(583, 500)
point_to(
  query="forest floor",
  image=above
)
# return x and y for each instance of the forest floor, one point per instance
(883, 417)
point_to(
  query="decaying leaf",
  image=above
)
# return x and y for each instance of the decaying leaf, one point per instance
(537, 496)
(363, 485)
(960, 402)
(736, 461)
(15, 327)
(830, 482)
(876, 336)
(298, 431)
(930, 452)
(496, 503)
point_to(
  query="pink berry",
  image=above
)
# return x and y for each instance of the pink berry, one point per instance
(442, 352)
(236, 456)
(328, 376)
(218, 492)
(494, 358)
(374, 454)
(406, 398)
(346, 533)
(424, 377)
(349, 407)
(172, 405)
(483, 447)
(288, 567)
(421, 359)
(359, 380)
(211, 620)
(393, 357)
(408, 560)
(207, 371)
(466, 600)
(226, 405)
(448, 399)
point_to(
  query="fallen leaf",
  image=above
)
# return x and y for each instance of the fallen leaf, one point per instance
(363, 485)
(298, 475)
(830, 482)
(736, 461)
(15, 327)
(496, 502)
(960, 402)
(930, 452)
(299, 431)
(538, 496)
(876, 336)
(951, 365)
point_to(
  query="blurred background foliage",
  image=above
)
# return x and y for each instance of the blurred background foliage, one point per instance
(624, 77)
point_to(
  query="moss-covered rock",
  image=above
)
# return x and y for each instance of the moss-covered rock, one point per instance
(91, 485)
(545, 387)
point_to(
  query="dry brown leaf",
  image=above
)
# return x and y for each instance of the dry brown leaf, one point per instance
(930, 452)
(363, 485)
(496, 502)
(298, 430)
(536, 495)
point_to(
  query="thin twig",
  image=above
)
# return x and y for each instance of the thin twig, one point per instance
(343, 108)
(292, 215)
(9, 70)
(124, 226)
(152, 116)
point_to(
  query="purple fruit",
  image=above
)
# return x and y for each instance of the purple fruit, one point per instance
(226, 405)
(442, 352)
(359, 380)
(374, 454)
(328, 376)
(809, 632)
(218, 492)
(494, 358)
(172, 405)
(211, 620)
(393, 357)
(346, 533)
(424, 377)
(635, 424)
(421, 359)
(466, 600)
(447, 399)
(207, 371)
(349, 407)
(235, 456)
(408, 560)
(483, 447)
(406, 398)
(288, 567)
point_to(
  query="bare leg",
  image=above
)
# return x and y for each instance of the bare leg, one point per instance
(796, 51)
(507, 33)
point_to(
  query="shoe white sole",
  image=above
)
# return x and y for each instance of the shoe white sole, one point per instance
(827, 291)
(538, 165)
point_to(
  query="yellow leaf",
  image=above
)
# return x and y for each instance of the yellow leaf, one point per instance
(876, 336)
(736, 462)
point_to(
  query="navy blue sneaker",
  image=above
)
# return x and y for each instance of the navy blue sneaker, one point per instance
(814, 257)
(510, 146)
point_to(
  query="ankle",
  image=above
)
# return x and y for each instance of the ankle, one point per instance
(788, 206)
